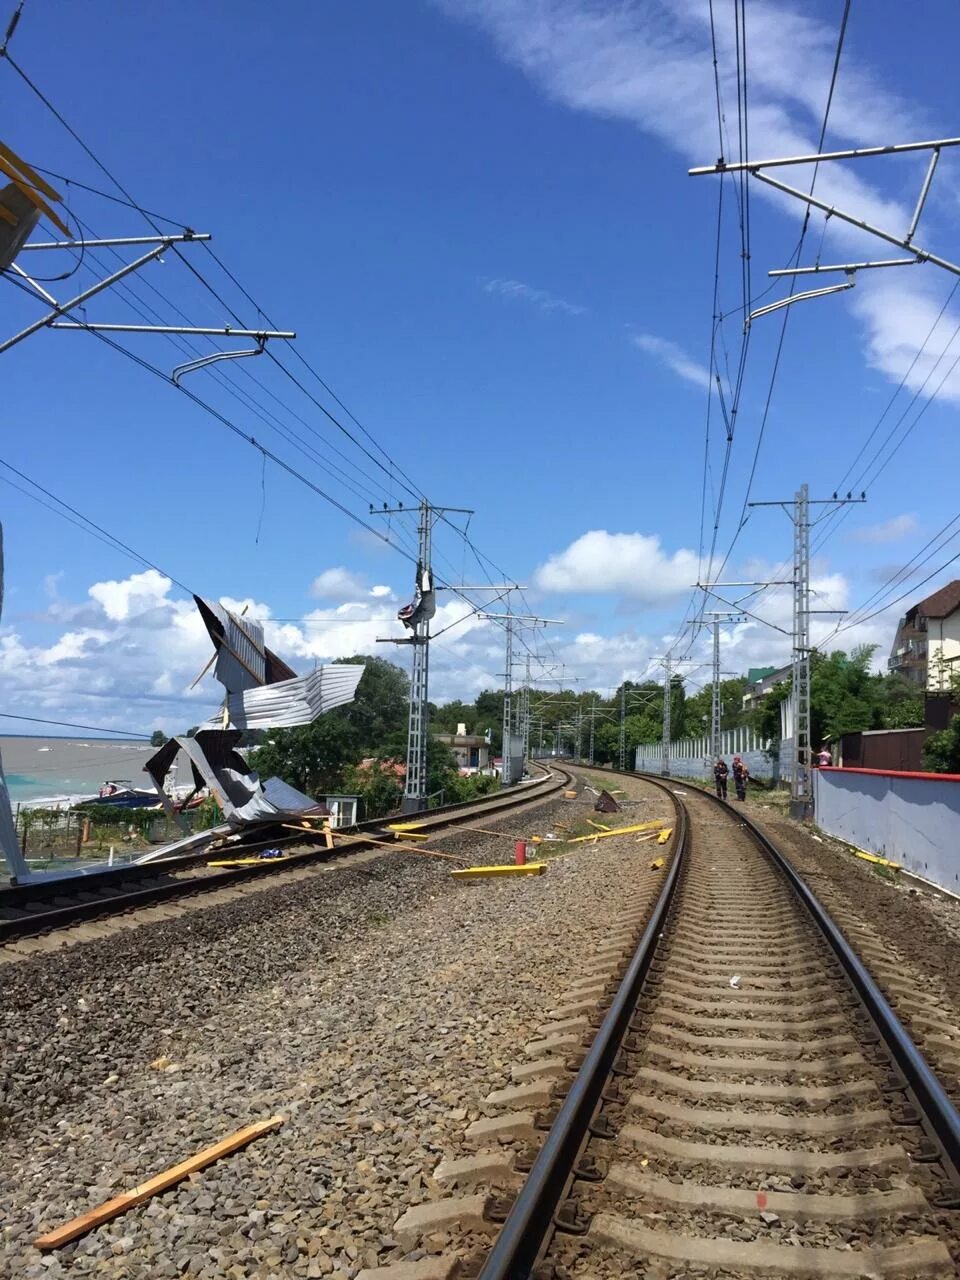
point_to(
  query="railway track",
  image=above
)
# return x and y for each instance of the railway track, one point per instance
(746, 1104)
(30, 910)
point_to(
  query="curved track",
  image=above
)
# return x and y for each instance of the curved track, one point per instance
(749, 1106)
(28, 910)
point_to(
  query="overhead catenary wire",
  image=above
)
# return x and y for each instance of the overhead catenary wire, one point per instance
(90, 526)
(390, 467)
(744, 516)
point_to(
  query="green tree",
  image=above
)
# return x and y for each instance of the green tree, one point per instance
(312, 757)
(765, 718)
(378, 786)
(380, 706)
(445, 719)
(845, 697)
(489, 715)
(157, 738)
(941, 751)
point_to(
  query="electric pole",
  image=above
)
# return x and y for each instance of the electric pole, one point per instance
(415, 784)
(416, 618)
(801, 792)
(509, 736)
(716, 709)
(623, 725)
(506, 770)
(665, 743)
(593, 716)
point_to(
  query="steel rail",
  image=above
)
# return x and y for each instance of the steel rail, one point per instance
(941, 1114)
(85, 909)
(530, 1220)
(926, 1088)
(99, 878)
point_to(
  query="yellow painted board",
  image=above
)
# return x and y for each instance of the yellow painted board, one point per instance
(528, 869)
(876, 859)
(619, 831)
(664, 836)
(656, 864)
(410, 835)
(404, 826)
(249, 862)
(601, 826)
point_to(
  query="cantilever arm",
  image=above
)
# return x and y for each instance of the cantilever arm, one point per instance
(193, 365)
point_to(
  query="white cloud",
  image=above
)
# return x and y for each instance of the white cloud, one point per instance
(632, 564)
(132, 670)
(888, 530)
(136, 594)
(337, 584)
(648, 62)
(381, 592)
(540, 298)
(674, 357)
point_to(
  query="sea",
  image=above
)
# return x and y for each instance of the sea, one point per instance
(59, 770)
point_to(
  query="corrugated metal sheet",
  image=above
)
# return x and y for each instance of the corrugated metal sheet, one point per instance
(292, 702)
(241, 653)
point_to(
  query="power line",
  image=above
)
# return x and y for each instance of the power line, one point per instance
(783, 327)
(69, 724)
(392, 470)
(97, 530)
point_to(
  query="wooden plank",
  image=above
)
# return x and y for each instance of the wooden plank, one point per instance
(411, 848)
(162, 1182)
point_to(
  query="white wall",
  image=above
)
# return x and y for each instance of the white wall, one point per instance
(691, 758)
(943, 642)
(914, 819)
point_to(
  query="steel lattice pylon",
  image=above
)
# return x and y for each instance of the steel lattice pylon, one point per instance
(800, 691)
(415, 787)
(506, 771)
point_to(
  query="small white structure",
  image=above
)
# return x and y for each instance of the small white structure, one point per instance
(343, 811)
(471, 750)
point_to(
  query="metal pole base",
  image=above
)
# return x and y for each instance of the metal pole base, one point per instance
(801, 809)
(413, 804)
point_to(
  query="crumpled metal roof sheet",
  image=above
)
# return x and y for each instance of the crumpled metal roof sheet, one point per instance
(291, 702)
(243, 660)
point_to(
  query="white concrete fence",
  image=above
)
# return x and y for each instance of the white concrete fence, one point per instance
(692, 758)
(911, 818)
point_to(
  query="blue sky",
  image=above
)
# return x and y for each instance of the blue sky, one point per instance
(477, 217)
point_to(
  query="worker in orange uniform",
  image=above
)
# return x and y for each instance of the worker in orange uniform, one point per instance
(741, 775)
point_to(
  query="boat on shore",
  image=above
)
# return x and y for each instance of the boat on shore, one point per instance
(120, 793)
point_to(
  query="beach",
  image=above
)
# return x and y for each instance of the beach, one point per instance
(48, 768)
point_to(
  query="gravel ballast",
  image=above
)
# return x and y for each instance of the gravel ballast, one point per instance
(375, 1008)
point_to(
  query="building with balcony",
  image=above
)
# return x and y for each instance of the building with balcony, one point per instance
(760, 680)
(926, 649)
